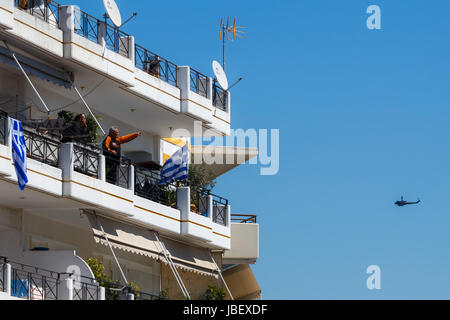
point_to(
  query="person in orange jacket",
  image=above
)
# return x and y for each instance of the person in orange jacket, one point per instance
(111, 144)
(112, 151)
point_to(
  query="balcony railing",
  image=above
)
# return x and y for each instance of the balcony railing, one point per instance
(86, 289)
(32, 283)
(155, 65)
(46, 10)
(118, 171)
(2, 276)
(116, 291)
(86, 25)
(117, 40)
(41, 148)
(199, 83)
(146, 185)
(199, 198)
(3, 127)
(219, 97)
(143, 296)
(86, 161)
(243, 218)
(220, 210)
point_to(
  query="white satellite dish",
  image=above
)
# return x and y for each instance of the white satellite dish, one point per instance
(220, 75)
(112, 10)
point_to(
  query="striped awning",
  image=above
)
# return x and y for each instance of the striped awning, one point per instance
(242, 283)
(144, 242)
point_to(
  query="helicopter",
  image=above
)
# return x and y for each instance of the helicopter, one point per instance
(402, 202)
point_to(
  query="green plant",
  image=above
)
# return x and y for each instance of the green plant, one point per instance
(164, 294)
(172, 198)
(92, 126)
(199, 176)
(67, 116)
(214, 293)
(134, 288)
(98, 269)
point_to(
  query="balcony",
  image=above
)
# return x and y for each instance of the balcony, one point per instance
(19, 281)
(156, 65)
(46, 10)
(244, 240)
(98, 31)
(82, 173)
(41, 148)
(65, 31)
(26, 282)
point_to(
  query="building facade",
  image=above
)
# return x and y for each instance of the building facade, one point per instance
(82, 206)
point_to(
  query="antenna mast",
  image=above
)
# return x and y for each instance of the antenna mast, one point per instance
(229, 32)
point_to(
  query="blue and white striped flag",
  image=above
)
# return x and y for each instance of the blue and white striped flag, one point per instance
(19, 152)
(176, 168)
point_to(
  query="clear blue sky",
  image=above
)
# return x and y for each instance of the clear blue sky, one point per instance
(363, 118)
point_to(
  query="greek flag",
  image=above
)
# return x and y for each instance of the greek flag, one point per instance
(19, 152)
(176, 168)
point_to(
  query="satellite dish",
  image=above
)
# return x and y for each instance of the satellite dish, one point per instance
(220, 75)
(112, 10)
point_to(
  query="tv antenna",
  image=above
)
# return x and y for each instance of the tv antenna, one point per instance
(229, 32)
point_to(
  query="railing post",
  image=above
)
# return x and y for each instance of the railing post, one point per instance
(228, 217)
(184, 201)
(67, 21)
(101, 293)
(210, 207)
(66, 163)
(102, 168)
(131, 178)
(66, 289)
(132, 49)
(228, 102)
(126, 45)
(8, 135)
(184, 84)
(101, 34)
(209, 93)
(8, 279)
(130, 296)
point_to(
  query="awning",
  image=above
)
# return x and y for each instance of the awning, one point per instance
(242, 283)
(36, 68)
(144, 242)
(190, 258)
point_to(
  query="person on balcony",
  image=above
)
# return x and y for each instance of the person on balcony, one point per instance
(77, 131)
(112, 151)
(23, 4)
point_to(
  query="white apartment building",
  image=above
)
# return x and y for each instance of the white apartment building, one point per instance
(71, 210)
